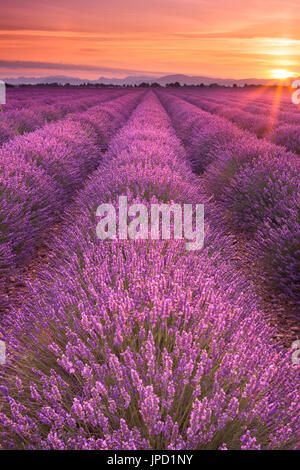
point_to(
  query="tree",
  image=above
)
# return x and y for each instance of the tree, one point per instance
(173, 85)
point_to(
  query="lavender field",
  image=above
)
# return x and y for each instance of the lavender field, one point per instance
(141, 344)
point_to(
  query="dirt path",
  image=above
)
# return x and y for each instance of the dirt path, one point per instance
(15, 288)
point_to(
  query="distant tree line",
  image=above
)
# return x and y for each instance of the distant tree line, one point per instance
(141, 85)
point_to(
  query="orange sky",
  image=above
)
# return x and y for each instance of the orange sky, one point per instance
(116, 38)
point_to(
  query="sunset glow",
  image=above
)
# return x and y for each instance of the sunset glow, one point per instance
(120, 38)
(281, 74)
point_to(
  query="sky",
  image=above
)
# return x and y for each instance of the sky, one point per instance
(117, 38)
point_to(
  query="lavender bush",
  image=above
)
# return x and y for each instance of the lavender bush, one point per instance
(270, 120)
(288, 136)
(143, 345)
(31, 115)
(40, 171)
(277, 244)
(255, 184)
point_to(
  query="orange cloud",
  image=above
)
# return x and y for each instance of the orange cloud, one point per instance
(227, 38)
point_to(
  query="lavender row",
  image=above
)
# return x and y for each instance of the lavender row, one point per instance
(255, 183)
(39, 173)
(260, 101)
(284, 113)
(141, 344)
(281, 128)
(28, 98)
(19, 122)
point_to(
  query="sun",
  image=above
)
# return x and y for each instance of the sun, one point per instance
(282, 74)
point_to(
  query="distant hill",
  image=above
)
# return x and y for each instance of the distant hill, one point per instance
(136, 80)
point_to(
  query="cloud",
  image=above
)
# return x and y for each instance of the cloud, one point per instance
(19, 65)
(282, 28)
(130, 37)
(20, 35)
